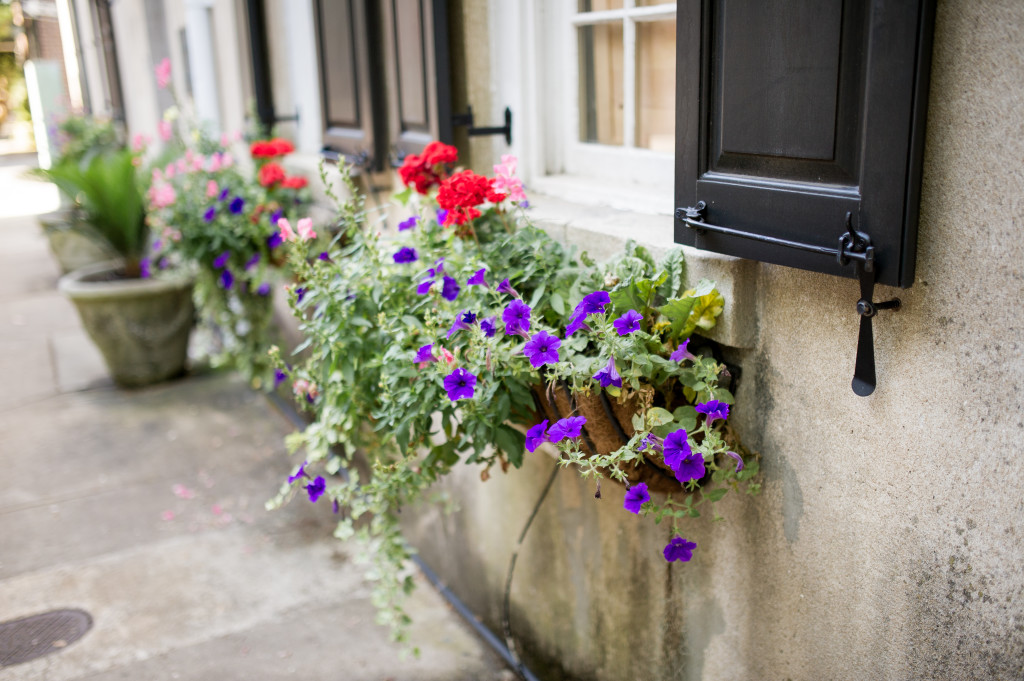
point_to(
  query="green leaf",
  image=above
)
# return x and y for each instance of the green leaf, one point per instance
(686, 417)
(677, 312)
(558, 304)
(656, 416)
(512, 442)
(715, 494)
(403, 196)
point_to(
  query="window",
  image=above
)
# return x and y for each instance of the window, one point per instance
(609, 102)
(384, 77)
(782, 137)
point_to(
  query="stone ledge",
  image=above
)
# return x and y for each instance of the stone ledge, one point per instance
(602, 233)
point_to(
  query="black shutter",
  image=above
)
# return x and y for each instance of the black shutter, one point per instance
(791, 114)
(349, 64)
(418, 75)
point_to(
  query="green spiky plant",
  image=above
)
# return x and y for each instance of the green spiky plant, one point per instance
(106, 191)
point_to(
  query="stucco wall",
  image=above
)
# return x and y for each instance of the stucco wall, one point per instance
(887, 543)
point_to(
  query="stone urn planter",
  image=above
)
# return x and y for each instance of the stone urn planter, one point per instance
(141, 326)
(72, 248)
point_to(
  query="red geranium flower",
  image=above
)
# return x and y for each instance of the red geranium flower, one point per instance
(462, 192)
(271, 148)
(271, 174)
(294, 182)
(427, 170)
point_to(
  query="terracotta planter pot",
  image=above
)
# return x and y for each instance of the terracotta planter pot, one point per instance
(141, 326)
(609, 426)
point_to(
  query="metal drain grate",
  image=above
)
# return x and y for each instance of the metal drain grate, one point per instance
(50, 632)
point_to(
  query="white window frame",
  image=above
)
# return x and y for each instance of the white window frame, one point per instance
(620, 176)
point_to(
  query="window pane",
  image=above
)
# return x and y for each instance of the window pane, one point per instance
(598, 5)
(655, 85)
(601, 92)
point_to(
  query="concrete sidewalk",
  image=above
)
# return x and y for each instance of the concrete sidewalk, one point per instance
(145, 509)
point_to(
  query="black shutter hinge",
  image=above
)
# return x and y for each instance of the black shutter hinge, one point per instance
(362, 161)
(853, 246)
(466, 120)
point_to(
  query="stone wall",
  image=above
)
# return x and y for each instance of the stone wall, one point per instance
(887, 541)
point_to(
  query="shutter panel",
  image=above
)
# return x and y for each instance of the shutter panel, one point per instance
(792, 113)
(351, 103)
(418, 74)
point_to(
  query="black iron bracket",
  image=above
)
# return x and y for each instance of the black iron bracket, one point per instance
(466, 120)
(853, 246)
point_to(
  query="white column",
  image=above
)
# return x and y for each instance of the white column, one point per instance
(303, 73)
(202, 61)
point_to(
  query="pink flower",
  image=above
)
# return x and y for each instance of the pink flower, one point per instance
(226, 160)
(197, 162)
(163, 73)
(305, 228)
(505, 180)
(182, 165)
(225, 140)
(212, 189)
(182, 492)
(447, 356)
(165, 129)
(215, 162)
(171, 234)
(157, 175)
(170, 171)
(161, 195)
(286, 229)
(140, 142)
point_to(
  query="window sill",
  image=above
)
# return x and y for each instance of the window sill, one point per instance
(562, 207)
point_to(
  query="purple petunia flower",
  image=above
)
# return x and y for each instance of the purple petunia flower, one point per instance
(478, 278)
(690, 468)
(226, 279)
(516, 317)
(407, 224)
(713, 409)
(224, 194)
(608, 376)
(301, 473)
(144, 269)
(489, 327)
(628, 323)
(536, 435)
(324, 255)
(263, 289)
(677, 447)
(450, 289)
(274, 217)
(462, 321)
(442, 215)
(274, 240)
(460, 383)
(157, 245)
(592, 303)
(210, 214)
(505, 287)
(679, 549)
(335, 507)
(438, 268)
(316, 488)
(542, 349)
(636, 496)
(222, 260)
(682, 353)
(405, 255)
(300, 293)
(279, 376)
(162, 264)
(253, 261)
(738, 459)
(567, 427)
(425, 354)
(236, 205)
(424, 287)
